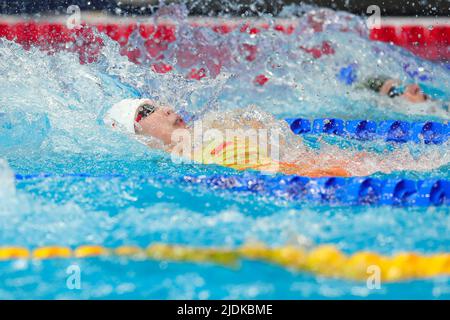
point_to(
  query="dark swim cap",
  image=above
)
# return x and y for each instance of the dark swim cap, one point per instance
(374, 83)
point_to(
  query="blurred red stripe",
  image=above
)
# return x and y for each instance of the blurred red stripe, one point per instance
(385, 34)
(431, 43)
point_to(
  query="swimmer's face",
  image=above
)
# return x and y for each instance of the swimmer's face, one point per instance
(412, 92)
(160, 124)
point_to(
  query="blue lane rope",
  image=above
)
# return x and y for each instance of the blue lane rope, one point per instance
(428, 132)
(333, 190)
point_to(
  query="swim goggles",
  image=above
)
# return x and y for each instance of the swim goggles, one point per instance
(396, 91)
(144, 111)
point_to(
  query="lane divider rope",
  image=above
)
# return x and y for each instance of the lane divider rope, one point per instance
(325, 260)
(331, 190)
(428, 132)
(335, 190)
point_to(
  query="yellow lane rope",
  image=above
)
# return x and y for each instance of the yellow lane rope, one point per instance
(324, 260)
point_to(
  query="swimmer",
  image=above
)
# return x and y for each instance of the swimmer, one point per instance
(393, 88)
(160, 127)
(422, 99)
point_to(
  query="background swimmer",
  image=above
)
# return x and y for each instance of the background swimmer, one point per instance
(416, 98)
(393, 88)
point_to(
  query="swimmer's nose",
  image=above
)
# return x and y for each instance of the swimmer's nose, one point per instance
(414, 89)
(179, 121)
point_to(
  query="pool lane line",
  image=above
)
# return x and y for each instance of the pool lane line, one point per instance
(25, 177)
(397, 131)
(329, 190)
(324, 260)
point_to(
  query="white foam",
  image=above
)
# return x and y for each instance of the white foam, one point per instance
(7, 182)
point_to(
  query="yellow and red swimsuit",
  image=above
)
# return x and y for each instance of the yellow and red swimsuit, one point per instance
(247, 156)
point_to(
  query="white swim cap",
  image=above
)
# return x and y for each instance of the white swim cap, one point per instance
(122, 115)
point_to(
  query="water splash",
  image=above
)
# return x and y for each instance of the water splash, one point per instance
(56, 106)
(300, 67)
(8, 185)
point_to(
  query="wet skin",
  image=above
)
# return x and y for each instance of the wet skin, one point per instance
(412, 92)
(160, 124)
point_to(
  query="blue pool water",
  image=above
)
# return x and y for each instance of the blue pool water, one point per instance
(51, 111)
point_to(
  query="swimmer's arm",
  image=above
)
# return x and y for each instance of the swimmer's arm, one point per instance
(367, 163)
(333, 160)
(330, 171)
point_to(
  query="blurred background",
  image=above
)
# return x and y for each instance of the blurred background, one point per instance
(429, 8)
